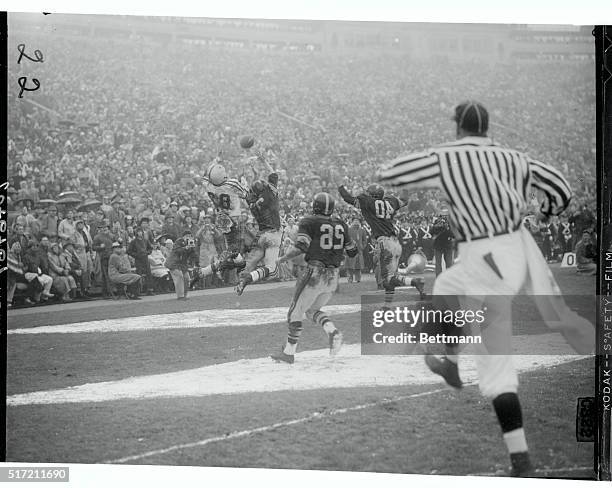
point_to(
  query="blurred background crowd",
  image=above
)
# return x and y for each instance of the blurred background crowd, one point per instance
(113, 147)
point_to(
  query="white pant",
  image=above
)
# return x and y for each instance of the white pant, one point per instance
(313, 290)
(491, 271)
(390, 252)
(473, 277)
(265, 251)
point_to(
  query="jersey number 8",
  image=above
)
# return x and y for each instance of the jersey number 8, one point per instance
(331, 237)
(384, 210)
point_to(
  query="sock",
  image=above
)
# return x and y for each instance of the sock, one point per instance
(295, 330)
(208, 270)
(323, 320)
(510, 417)
(515, 441)
(259, 274)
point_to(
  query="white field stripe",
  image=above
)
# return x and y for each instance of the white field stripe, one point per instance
(312, 370)
(185, 320)
(266, 428)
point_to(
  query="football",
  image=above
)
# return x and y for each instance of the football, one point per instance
(246, 142)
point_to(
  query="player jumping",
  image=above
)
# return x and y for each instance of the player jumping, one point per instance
(226, 194)
(379, 211)
(262, 199)
(323, 239)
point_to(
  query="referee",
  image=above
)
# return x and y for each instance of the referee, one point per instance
(487, 188)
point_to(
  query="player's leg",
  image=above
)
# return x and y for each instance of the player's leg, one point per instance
(303, 297)
(268, 249)
(252, 269)
(390, 251)
(326, 287)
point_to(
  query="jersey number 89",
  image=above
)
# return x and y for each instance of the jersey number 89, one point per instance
(332, 237)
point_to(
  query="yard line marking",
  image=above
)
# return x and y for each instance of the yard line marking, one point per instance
(182, 320)
(266, 428)
(313, 370)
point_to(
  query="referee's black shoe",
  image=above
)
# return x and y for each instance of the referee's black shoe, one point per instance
(521, 466)
(445, 368)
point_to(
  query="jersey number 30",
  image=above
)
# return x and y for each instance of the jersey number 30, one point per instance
(332, 237)
(384, 210)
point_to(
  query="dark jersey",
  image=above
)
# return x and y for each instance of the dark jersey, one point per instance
(379, 213)
(265, 208)
(323, 239)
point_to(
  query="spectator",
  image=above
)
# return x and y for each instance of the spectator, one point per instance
(167, 248)
(586, 255)
(49, 223)
(15, 270)
(102, 245)
(66, 229)
(170, 228)
(59, 270)
(182, 256)
(355, 264)
(206, 245)
(139, 249)
(76, 270)
(120, 272)
(443, 242)
(157, 261)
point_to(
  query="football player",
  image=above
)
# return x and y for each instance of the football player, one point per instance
(262, 199)
(379, 211)
(226, 194)
(322, 239)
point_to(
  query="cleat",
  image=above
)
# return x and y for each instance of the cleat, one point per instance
(445, 368)
(521, 466)
(335, 342)
(419, 284)
(281, 357)
(224, 262)
(394, 282)
(244, 281)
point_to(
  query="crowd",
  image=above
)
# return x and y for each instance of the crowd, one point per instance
(113, 150)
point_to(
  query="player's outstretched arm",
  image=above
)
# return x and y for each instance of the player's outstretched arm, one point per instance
(347, 197)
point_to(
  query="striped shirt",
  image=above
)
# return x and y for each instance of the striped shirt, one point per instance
(487, 186)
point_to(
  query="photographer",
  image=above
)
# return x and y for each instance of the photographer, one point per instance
(182, 257)
(207, 250)
(443, 241)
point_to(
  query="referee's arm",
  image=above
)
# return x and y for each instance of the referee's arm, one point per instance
(553, 184)
(414, 171)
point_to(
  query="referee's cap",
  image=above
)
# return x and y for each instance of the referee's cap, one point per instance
(471, 116)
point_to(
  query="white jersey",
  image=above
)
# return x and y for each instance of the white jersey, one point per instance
(228, 196)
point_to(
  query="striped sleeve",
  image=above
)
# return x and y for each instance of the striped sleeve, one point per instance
(417, 170)
(237, 187)
(553, 184)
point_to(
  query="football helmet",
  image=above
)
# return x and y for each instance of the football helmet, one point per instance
(216, 174)
(323, 204)
(258, 187)
(375, 191)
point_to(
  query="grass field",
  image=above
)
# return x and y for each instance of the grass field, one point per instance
(190, 383)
